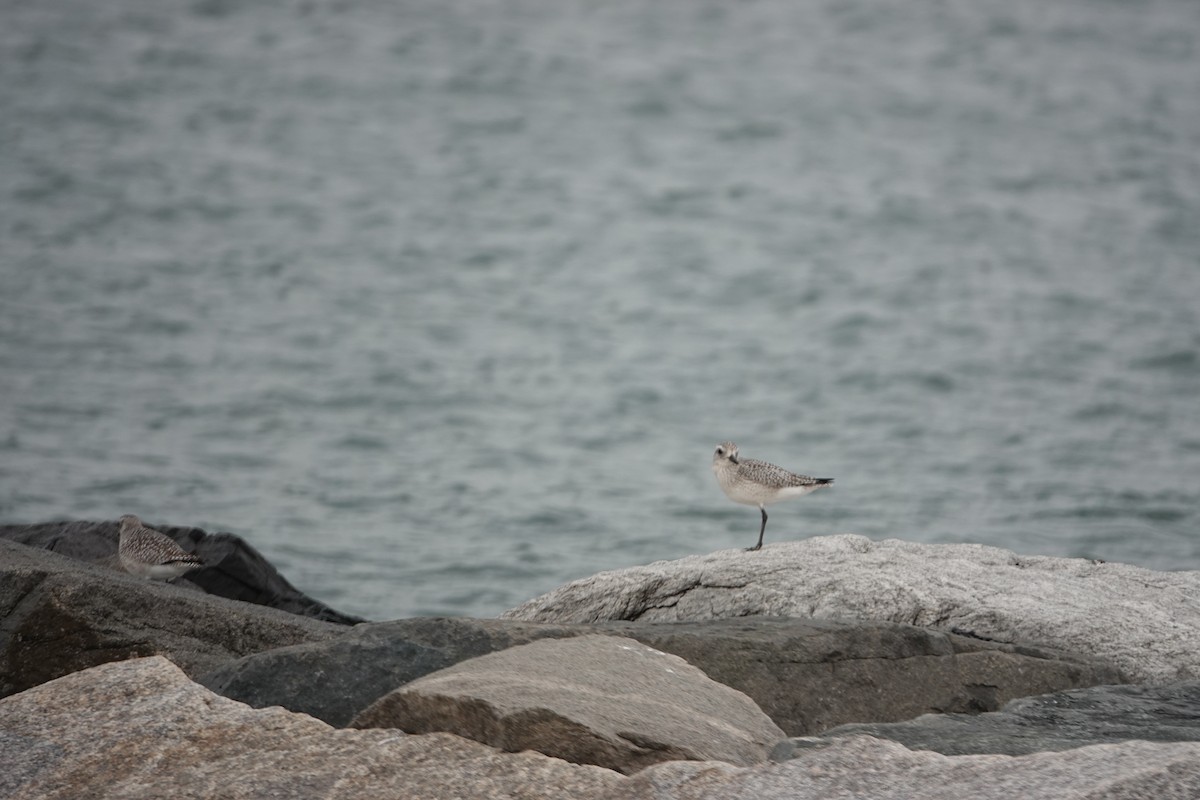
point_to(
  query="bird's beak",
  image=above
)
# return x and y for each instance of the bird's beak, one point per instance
(733, 458)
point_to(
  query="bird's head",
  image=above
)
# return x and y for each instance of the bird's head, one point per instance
(725, 452)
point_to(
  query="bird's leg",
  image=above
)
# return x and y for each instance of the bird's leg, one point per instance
(760, 531)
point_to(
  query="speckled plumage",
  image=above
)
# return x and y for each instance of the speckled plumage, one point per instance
(149, 554)
(757, 483)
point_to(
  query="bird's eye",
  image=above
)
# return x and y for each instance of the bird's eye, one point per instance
(720, 451)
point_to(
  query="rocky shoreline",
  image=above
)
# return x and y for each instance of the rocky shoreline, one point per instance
(834, 666)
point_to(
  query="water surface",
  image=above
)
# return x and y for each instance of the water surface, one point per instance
(444, 304)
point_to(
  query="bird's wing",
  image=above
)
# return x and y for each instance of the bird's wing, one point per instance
(771, 475)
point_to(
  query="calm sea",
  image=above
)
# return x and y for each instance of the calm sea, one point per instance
(442, 304)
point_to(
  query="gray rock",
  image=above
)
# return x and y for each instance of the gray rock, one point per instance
(233, 568)
(807, 675)
(1145, 623)
(58, 615)
(863, 768)
(603, 700)
(140, 730)
(1059, 721)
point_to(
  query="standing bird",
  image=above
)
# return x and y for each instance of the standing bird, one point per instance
(149, 554)
(757, 483)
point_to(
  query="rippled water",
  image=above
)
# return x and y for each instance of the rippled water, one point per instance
(444, 304)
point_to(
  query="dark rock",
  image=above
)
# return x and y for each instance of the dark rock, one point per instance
(59, 615)
(232, 568)
(807, 675)
(813, 674)
(1051, 722)
(334, 680)
(603, 700)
